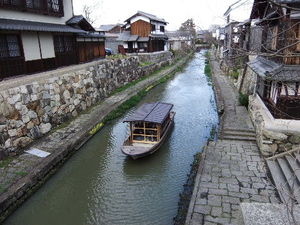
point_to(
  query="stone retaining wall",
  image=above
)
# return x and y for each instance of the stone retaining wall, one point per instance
(154, 57)
(32, 106)
(273, 135)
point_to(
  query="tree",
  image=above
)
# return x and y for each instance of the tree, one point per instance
(189, 26)
(88, 11)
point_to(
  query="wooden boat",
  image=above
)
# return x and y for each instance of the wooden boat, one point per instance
(149, 127)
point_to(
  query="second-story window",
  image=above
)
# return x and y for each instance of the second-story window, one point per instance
(162, 29)
(54, 5)
(46, 7)
(11, 2)
(9, 46)
(153, 27)
(34, 4)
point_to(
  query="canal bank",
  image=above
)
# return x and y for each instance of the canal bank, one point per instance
(232, 170)
(25, 173)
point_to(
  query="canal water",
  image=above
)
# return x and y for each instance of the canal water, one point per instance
(100, 185)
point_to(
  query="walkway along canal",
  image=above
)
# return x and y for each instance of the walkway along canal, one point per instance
(100, 185)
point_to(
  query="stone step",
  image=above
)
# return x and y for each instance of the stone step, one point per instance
(295, 167)
(239, 133)
(297, 156)
(238, 138)
(290, 177)
(238, 130)
(279, 181)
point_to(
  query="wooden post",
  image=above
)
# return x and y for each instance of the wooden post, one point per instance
(158, 131)
(131, 132)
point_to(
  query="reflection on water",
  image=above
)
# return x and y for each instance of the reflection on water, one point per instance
(100, 185)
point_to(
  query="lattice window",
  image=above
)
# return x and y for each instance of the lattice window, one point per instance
(9, 46)
(54, 5)
(69, 44)
(63, 44)
(162, 29)
(34, 4)
(59, 44)
(12, 2)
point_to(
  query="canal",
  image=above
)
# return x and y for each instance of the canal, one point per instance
(100, 185)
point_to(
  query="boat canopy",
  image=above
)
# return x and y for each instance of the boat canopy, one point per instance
(151, 112)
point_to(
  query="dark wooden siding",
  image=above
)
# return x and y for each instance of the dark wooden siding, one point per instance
(88, 51)
(141, 28)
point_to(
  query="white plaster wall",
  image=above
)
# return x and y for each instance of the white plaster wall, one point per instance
(139, 18)
(17, 15)
(157, 28)
(30, 46)
(47, 45)
(272, 124)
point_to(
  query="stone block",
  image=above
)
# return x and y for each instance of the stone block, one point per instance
(274, 135)
(45, 128)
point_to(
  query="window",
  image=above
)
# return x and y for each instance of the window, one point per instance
(162, 29)
(12, 2)
(9, 46)
(46, 7)
(63, 44)
(153, 27)
(34, 4)
(54, 5)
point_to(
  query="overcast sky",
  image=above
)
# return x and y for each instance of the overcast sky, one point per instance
(204, 12)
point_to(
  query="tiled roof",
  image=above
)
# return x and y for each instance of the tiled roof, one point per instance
(108, 27)
(270, 70)
(148, 15)
(151, 112)
(91, 35)
(21, 25)
(126, 36)
(75, 19)
(159, 36)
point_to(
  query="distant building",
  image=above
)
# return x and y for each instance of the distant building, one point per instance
(179, 39)
(144, 32)
(40, 35)
(202, 36)
(111, 28)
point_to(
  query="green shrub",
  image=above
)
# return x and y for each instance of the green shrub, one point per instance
(244, 99)
(234, 74)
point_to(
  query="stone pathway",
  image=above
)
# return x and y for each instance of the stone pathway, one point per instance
(232, 170)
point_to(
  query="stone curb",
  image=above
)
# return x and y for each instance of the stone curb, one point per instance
(25, 187)
(196, 185)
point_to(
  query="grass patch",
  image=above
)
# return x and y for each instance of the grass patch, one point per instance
(213, 132)
(142, 64)
(117, 56)
(4, 163)
(234, 74)
(21, 173)
(244, 100)
(2, 189)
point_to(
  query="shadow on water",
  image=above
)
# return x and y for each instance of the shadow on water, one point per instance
(100, 185)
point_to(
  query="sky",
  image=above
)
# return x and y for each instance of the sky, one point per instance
(175, 12)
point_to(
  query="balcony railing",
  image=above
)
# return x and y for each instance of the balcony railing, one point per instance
(45, 7)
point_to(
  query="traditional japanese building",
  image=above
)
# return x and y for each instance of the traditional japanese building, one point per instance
(40, 35)
(144, 32)
(277, 69)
